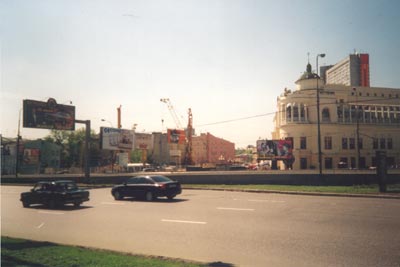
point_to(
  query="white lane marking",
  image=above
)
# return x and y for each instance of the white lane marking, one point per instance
(179, 221)
(40, 226)
(237, 209)
(265, 200)
(51, 212)
(112, 203)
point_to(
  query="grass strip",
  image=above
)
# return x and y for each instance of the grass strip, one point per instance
(21, 252)
(356, 189)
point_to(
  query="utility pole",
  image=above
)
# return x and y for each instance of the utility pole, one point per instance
(319, 122)
(357, 130)
(18, 143)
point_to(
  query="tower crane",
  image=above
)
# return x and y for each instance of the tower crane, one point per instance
(172, 111)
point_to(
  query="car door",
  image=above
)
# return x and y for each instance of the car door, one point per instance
(41, 194)
(144, 185)
(130, 188)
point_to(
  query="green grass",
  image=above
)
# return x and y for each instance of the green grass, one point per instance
(357, 189)
(20, 252)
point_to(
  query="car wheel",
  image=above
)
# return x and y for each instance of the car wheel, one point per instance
(149, 196)
(118, 195)
(25, 204)
(77, 204)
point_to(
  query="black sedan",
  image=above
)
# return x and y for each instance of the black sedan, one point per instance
(148, 187)
(55, 193)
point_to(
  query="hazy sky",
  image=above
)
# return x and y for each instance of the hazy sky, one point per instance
(225, 60)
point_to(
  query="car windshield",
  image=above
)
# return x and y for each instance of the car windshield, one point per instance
(160, 179)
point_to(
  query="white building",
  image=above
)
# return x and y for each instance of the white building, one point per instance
(347, 114)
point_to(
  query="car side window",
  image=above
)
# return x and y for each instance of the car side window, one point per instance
(132, 181)
(144, 181)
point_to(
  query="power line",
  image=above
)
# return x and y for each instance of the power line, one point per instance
(278, 112)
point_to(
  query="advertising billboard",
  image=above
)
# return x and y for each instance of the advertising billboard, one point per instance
(275, 149)
(48, 115)
(116, 139)
(31, 156)
(176, 136)
(143, 141)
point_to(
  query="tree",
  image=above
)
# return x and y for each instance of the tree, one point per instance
(72, 143)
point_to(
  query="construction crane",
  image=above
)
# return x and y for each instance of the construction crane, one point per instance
(172, 111)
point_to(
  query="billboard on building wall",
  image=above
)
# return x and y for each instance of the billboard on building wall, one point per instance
(48, 115)
(31, 156)
(143, 141)
(275, 149)
(176, 136)
(116, 139)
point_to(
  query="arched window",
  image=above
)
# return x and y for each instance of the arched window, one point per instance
(288, 113)
(302, 113)
(295, 113)
(325, 115)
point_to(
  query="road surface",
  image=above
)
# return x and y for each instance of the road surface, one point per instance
(240, 229)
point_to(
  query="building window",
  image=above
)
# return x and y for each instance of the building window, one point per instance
(295, 113)
(288, 113)
(328, 142)
(328, 163)
(344, 143)
(340, 113)
(303, 142)
(390, 143)
(375, 143)
(325, 115)
(342, 163)
(382, 143)
(302, 113)
(352, 142)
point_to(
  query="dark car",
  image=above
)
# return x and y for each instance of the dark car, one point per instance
(55, 193)
(148, 187)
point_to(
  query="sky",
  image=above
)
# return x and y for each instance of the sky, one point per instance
(227, 60)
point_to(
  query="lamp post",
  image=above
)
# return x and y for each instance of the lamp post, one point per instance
(104, 120)
(319, 120)
(357, 130)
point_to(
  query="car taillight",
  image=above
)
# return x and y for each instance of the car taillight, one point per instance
(162, 186)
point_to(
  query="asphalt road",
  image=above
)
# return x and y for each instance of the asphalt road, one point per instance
(242, 229)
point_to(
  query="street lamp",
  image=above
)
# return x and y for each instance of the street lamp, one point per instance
(107, 121)
(357, 129)
(319, 121)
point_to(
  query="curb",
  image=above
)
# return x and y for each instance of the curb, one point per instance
(298, 193)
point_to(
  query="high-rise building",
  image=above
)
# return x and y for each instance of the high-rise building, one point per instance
(351, 71)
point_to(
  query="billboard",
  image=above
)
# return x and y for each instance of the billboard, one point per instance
(116, 139)
(275, 149)
(143, 141)
(48, 115)
(176, 136)
(31, 156)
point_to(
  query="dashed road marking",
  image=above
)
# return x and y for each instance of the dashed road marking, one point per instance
(266, 200)
(40, 226)
(180, 221)
(236, 209)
